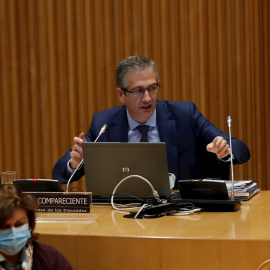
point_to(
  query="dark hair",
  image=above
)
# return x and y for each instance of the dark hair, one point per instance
(11, 198)
(132, 63)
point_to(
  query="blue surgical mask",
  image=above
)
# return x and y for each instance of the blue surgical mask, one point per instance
(13, 239)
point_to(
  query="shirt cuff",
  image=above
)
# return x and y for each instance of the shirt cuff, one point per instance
(69, 169)
(227, 158)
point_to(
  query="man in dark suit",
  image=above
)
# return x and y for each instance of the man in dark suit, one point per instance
(193, 143)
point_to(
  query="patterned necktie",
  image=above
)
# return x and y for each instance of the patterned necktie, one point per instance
(143, 130)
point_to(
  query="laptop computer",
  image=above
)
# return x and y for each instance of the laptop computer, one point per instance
(107, 163)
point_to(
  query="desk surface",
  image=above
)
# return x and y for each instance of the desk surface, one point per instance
(251, 222)
(209, 230)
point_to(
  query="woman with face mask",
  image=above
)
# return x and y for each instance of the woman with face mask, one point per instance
(18, 248)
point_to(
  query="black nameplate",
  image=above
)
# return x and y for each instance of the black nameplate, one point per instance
(63, 202)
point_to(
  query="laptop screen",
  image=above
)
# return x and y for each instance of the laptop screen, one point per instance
(106, 164)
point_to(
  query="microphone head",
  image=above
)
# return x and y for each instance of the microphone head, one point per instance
(229, 121)
(103, 129)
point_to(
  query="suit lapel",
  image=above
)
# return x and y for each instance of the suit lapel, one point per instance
(119, 128)
(165, 123)
(167, 132)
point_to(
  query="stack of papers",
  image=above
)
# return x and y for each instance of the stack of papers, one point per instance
(243, 189)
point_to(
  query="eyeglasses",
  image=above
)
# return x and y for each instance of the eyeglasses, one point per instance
(139, 92)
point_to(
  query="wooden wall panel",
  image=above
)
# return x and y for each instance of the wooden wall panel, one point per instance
(58, 59)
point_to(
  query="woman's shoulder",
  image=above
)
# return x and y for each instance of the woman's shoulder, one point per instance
(48, 257)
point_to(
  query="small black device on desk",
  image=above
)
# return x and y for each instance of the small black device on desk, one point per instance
(38, 185)
(210, 195)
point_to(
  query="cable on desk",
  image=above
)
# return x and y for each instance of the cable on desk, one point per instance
(155, 193)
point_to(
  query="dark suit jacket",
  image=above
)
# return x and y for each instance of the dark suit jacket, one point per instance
(186, 133)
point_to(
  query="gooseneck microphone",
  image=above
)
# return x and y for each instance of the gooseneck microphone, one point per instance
(229, 121)
(102, 130)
